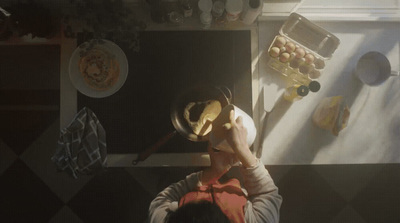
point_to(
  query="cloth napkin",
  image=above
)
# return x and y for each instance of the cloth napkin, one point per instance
(82, 145)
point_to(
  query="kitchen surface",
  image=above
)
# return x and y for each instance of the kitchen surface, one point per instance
(291, 137)
(349, 177)
(162, 70)
(274, 116)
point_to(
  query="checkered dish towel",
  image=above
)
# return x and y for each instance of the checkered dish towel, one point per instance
(82, 145)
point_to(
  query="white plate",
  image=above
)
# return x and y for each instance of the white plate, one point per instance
(77, 78)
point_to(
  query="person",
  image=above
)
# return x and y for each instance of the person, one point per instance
(201, 197)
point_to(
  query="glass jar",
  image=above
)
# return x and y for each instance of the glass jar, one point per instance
(295, 92)
(187, 8)
(206, 19)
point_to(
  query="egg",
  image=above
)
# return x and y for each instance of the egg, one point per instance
(274, 52)
(300, 52)
(284, 57)
(290, 47)
(280, 41)
(309, 58)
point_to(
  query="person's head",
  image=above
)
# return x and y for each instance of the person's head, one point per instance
(198, 212)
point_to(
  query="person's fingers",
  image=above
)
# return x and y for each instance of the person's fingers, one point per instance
(232, 116)
(239, 120)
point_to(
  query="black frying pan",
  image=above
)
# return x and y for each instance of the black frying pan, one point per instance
(194, 94)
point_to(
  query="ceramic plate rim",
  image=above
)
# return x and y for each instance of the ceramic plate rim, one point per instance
(77, 79)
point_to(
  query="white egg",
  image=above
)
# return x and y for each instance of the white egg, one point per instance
(280, 41)
(284, 57)
(309, 58)
(290, 47)
(300, 52)
(274, 52)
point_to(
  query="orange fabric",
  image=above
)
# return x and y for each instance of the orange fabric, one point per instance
(228, 196)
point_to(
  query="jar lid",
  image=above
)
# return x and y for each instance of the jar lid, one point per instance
(302, 90)
(314, 86)
(205, 5)
(234, 6)
(218, 7)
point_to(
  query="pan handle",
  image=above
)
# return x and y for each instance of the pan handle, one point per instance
(152, 149)
(226, 92)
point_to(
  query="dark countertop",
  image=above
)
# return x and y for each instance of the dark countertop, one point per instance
(138, 114)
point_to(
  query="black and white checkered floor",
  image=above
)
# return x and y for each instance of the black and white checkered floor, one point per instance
(32, 190)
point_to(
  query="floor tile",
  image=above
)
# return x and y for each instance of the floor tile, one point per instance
(307, 197)
(112, 196)
(348, 215)
(20, 128)
(25, 197)
(379, 201)
(348, 180)
(277, 172)
(38, 157)
(7, 156)
(148, 178)
(65, 215)
(40, 66)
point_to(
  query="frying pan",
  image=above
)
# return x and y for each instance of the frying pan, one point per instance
(199, 93)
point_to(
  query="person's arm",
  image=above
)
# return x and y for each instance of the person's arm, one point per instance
(263, 199)
(168, 199)
(236, 136)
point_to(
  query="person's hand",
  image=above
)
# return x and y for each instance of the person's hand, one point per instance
(221, 161)
(236, 136)
(236, 133)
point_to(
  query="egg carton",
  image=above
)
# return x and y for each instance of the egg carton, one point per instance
(301, 49)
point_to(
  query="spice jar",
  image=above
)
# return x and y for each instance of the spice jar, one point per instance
(205, 5)
(218, 9)
(233, 9)
(295, 92)
(187, 8)
(206, 19)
